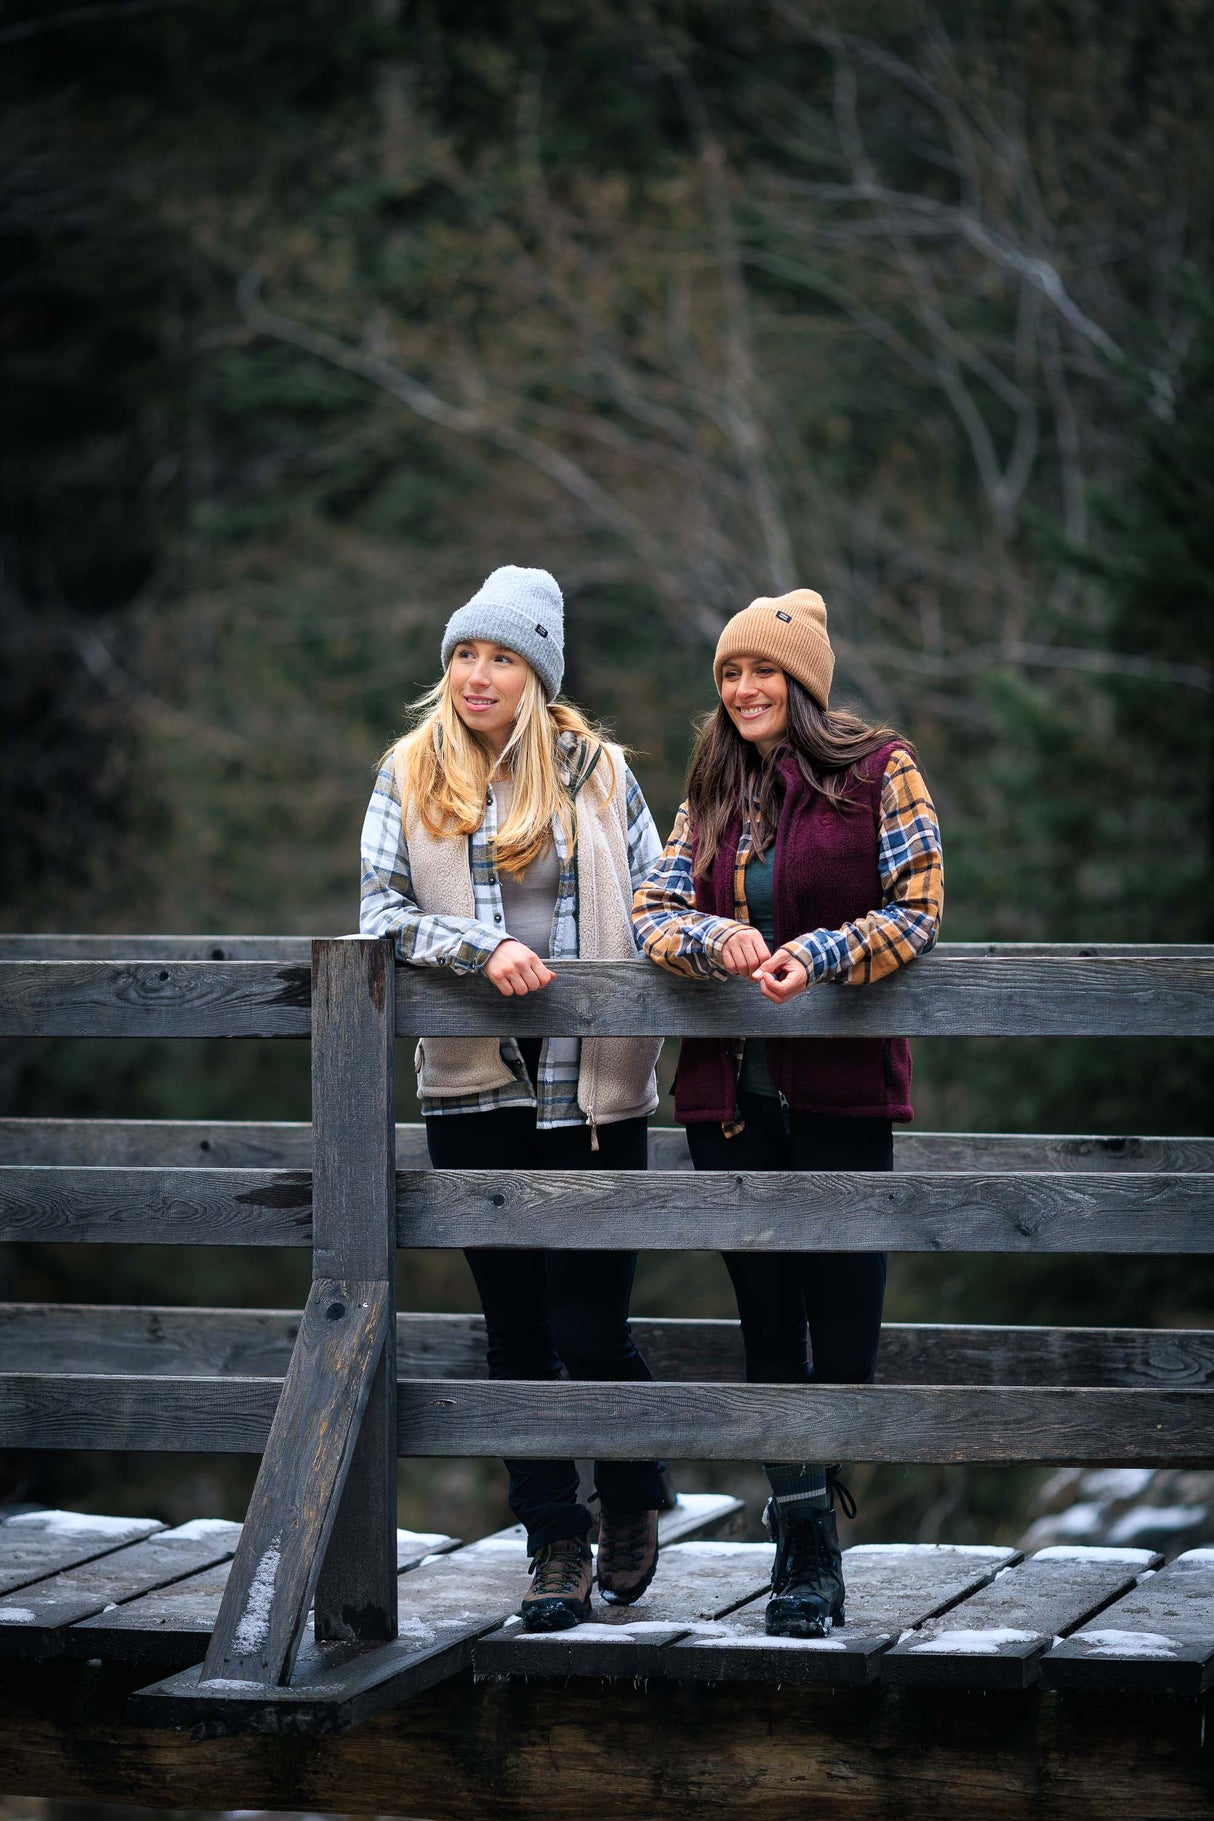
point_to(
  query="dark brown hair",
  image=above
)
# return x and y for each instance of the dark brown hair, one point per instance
(729, 775)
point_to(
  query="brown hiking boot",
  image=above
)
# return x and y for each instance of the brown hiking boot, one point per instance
(562, 1575)
(628, 1554)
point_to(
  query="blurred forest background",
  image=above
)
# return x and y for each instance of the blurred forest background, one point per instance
(314, 313)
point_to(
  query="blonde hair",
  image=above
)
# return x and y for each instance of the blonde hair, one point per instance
(444, 768)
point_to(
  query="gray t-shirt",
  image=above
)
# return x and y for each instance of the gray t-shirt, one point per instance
(528, 904)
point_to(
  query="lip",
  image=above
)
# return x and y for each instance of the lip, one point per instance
(478, 704)
(754, 712)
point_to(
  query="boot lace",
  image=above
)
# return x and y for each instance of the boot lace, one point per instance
(624, 1540)
(557, 1568)
(835, 1489)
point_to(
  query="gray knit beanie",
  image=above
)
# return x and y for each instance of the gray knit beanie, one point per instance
(522, 609)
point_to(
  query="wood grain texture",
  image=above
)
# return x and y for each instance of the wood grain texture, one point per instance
(154, 999)
(958, 990)
(34, 1621)
(1060, 1426)
(287, 1145)
(300, 1481)
(850, 1211)
(1034, 1601)
(1064, 1426)
(209, 1343)
(354, 1236)
(667, 1751)
(155, 1207)
(1157, 1640)
(923, 1211)
(155, 948)
(888, 1591)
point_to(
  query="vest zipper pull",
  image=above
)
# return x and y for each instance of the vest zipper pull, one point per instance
(594, 1132)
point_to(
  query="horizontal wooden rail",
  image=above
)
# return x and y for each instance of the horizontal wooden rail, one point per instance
(287, 1145)
(917, 1211)
(958, 990)
(1065, 1426)
(155, 999)
(58, 1337)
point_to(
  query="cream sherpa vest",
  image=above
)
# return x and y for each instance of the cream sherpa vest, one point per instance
(615, 1074)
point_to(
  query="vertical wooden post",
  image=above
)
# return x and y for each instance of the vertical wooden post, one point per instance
(354, 1236)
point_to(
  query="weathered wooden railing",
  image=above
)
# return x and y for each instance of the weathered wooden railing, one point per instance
(331, 1397)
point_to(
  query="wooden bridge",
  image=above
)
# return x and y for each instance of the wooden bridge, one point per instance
(314, 1657)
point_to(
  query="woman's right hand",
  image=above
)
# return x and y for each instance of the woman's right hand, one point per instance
(744, 951)
(514, 968)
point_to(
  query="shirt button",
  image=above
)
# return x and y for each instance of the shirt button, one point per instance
(497, 916)
(488, 796)
(493, 878)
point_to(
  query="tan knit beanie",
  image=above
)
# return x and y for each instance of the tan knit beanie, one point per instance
(790, 629)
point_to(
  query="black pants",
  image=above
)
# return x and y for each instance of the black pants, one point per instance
(830, 1300)
(545, 1309)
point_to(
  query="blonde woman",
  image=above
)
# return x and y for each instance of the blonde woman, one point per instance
(504, 832)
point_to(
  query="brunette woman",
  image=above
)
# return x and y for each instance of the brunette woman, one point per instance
(807, 850)
(503, 832)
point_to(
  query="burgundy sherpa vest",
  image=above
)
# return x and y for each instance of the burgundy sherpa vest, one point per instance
(825, 874)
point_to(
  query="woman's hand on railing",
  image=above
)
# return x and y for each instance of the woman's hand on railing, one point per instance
(515, 969)
(781, 977)
(744, 952)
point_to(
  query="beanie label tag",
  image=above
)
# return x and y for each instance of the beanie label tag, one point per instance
(542, 630)
(781, 615)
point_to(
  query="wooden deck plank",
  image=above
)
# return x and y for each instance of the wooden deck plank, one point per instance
(249, 1144)
(34, 1621)
(36, 1544)
(65, 1337)
(1158, 1639)
(696, 1581)
(890, 1588)
(996, 1637)
(172, 1625)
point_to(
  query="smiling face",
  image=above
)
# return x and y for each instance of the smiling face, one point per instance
(487, 683)
(754, 693)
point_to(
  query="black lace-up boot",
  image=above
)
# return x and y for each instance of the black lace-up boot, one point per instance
(628, 1554)
(559, 1595)
(807, 1575)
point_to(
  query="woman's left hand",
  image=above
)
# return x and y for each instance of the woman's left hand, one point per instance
(781, 976)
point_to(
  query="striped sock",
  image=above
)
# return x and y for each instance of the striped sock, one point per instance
(796, 1485)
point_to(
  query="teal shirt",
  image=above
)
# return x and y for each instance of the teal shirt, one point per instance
(760, 902)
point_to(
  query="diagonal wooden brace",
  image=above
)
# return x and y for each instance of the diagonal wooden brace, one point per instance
(303, 1473)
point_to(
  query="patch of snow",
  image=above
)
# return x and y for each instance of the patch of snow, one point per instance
(1078, 1521)
(230, 1683)
(415, 1628)
(985, 1549)
(748, 1642)
(1196, 1555)
(593, 1633)
(82, 1523)
(198, 1528)
(254, 1626)
(697, 1501)
(1156, 1517)
(973, 1643)
(1091, 1552)
(1127, 1644)
(1118, 1482)
(17, 1615)
(425, 1539)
